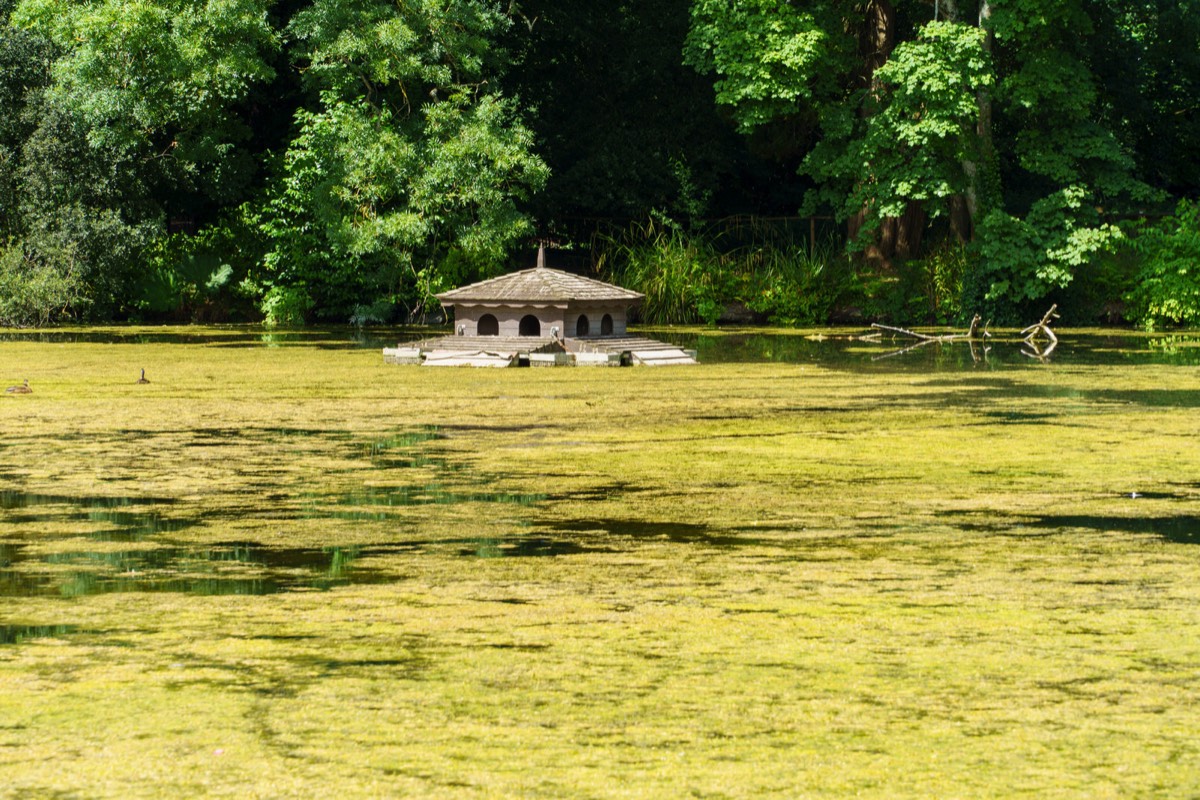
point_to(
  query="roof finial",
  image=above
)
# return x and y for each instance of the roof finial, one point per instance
(541, 262)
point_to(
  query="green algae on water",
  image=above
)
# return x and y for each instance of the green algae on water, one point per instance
(799, 572)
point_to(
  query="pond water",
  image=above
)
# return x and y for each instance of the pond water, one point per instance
(815, 563)
(851, 349)
(896, 352)
(143, 551)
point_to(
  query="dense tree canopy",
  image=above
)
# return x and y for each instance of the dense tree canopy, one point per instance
(992, 116)
(344, 159)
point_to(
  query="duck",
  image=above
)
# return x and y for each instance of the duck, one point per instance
(143, 379)
(22, 389)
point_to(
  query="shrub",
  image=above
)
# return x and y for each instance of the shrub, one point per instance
(680, 275)
(286, 306)
(693, 276)
(791, 285)
(192, 277)
(33, 293)
(1167, 286)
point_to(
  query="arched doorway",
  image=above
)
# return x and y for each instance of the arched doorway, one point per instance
(582, 327)
(530, 326)
(606, 325)
(488, 326)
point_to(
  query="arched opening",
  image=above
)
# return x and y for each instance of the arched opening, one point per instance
(606, 325)
(530, 326)
(488, 326)
(582, 327)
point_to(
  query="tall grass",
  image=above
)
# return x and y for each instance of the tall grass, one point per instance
(791, 285)
(694, 276)
(677, 273)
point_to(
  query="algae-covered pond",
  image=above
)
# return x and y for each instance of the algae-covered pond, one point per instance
(805, 568)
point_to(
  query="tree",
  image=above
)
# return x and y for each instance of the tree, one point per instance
(406, 166)
(136, 114)
(992, 119)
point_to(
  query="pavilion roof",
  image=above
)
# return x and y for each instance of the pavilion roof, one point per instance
(539, 285)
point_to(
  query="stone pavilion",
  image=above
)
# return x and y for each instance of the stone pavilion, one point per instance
(535, 317)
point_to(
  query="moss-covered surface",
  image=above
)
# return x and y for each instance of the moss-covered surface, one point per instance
(293, 571)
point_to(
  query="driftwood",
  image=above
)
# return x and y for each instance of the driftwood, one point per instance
(1036, 350)
(1033, 337)
(972, 333)
(1043, 327)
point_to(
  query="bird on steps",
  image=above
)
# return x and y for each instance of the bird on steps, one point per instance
(143, 379)
(22, 389)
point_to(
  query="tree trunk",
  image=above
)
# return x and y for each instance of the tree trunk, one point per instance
(962, 223)
(910, 227)
(966, 208)
(877, 39)
(985, 178)
(875, 43)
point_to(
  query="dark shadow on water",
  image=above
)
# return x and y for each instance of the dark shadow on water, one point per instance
(972, 391)
(835, 350)
(157, 564)
(15, 634)
(372, 503)
(10, 499)
(230, 336)
(675, 532)
(1155, 398)
(1021, 417)
(528, 547)
(222, 569)
(843, 351)
(1183, 529)
(120, 517)
(237, 568)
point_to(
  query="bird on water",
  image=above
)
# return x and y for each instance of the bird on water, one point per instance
(22, 389)
(143, 379)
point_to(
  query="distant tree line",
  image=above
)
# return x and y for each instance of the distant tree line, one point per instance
(343, 160)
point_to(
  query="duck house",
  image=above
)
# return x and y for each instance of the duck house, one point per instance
(539, 317)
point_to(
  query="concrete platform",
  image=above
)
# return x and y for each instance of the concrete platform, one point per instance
(522, 351)
(633, 350)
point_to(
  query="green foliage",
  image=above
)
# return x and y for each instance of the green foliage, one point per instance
(134, 114)
(679, 274)
(193, 277)
(689, 277)
(919, 134)
(939, 278)
(906, 139)
(770, 58)
(1024, 260)
(790, 284)
(374, 153)
(286, 306)
(401, 162)
(1049, 98)
(33, 293)
(156, 77)
(1167, 288)
(83, 211)
(24, 73)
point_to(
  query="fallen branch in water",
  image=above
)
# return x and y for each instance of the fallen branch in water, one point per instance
(1040, 353)
(972, 333)
(1043, 327)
